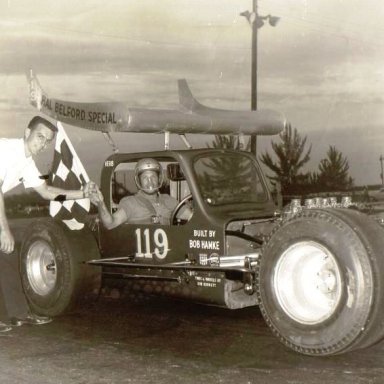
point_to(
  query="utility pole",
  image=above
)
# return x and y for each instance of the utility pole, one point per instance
(381, 174)
(254, 27)
(256, 21)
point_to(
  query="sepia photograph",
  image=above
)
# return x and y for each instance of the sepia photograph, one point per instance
(191, 191)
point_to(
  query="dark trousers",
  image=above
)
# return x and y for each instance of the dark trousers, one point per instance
(12, 299)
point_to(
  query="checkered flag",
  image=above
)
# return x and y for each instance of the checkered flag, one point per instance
(68, 173)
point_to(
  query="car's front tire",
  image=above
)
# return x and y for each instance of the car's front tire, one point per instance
(320, 282)
(52, 268)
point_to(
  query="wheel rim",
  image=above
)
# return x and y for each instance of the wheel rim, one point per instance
(41, 267)
(307, 282)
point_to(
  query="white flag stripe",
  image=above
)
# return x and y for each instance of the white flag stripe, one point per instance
(75, 157)
(68, 204)
(73, 224)
(62, 171)
(85, 203)
(54, 208)
(59, 139)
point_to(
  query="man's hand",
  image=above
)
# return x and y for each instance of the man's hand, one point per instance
(7, 242)
(96, 196)
(90, 189)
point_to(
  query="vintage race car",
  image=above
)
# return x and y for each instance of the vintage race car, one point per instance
(315, 269)
(210, 258)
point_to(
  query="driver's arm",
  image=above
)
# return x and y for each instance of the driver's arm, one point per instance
(109, 220)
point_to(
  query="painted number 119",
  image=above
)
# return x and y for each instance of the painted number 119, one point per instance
(144, 243)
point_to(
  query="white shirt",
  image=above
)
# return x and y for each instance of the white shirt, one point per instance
(15, 167)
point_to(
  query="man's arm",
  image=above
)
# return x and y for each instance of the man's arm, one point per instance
(7, 242)
(51, 193)
(109, 220)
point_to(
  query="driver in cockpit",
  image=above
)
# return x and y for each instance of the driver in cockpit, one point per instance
(147, 205)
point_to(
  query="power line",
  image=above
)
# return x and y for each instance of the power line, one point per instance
(149, 42)
(328, 20)
(133, 39)
(330, 17)
(323, 29)
(326, 29)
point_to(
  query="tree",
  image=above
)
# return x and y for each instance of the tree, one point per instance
(333, 172)
(226, 172)
(227, 142)
(291, 157)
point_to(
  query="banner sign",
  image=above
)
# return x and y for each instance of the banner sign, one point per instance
(191, 117)
(105, 117)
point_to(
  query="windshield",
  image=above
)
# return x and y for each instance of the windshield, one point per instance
(229, 178)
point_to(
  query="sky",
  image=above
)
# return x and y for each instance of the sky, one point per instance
(322, 66)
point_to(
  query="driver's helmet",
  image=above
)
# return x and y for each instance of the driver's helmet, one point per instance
(148, 165)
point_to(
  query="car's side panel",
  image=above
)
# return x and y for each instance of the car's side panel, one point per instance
(195, 241)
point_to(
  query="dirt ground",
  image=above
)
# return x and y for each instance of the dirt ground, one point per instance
(162, 341)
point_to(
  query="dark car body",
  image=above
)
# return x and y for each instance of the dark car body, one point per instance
(210, 258)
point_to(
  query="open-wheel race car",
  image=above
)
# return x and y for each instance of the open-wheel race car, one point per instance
(314, 270)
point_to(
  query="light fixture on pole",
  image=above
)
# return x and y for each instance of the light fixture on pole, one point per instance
(256, 21)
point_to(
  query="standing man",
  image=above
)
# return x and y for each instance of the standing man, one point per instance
(17, 166)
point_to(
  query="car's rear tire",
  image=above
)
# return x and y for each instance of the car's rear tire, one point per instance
(53, 273)
(320, 281)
